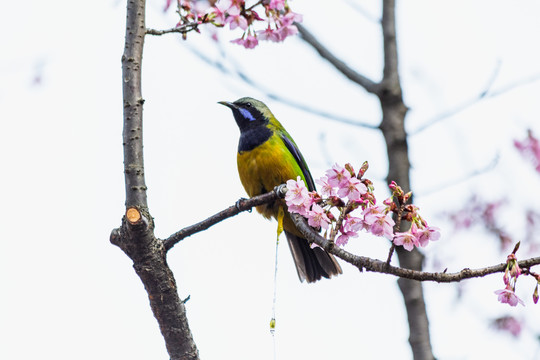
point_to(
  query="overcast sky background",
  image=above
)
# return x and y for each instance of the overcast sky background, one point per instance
(68, 293)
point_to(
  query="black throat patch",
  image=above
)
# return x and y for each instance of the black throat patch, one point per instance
(253, 137)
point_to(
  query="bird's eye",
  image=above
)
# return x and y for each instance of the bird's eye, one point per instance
(248, 104)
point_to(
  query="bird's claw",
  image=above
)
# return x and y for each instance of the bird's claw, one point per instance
(239, 204)
(281, 190)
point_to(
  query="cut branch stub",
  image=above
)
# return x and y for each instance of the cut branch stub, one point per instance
(133, 215)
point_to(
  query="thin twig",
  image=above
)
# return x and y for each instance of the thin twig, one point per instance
(483, 95)
(179, 29)
(396, 230)
(339, 222)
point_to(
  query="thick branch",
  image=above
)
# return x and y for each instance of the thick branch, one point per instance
(351, 74)
(388, 23)
(393, 128)
(133, 105)
(379, 266)
(148, 255)
(136, 235)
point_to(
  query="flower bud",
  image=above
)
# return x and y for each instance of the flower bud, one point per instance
(349, 169)
(335, 201)
(363, 170)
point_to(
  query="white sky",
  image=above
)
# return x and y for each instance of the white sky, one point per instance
(68, 293)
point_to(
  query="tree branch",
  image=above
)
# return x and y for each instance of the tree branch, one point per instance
(379, 266)
(390, 68)
(361, 262)
(240, 206)
(351, 74)
(182, 29)
(393, 129)
(136, 234)
(133, 104)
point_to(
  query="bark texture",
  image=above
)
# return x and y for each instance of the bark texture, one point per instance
(136, 234)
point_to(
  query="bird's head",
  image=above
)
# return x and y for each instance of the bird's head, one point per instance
(249, 113)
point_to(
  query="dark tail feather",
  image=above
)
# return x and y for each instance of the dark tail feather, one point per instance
(311, 264)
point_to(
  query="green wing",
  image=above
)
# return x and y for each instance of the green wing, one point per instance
(293, 149)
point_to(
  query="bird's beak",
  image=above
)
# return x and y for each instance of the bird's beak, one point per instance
(228, 104)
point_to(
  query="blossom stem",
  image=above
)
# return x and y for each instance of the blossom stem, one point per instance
(390, 253)
(254, 5)
(396, 230)
(339, 222)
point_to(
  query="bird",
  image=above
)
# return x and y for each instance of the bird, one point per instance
(268, 157)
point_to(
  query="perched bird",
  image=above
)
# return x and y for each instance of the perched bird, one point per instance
(267, 157)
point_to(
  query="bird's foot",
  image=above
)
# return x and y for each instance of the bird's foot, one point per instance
(281, 190)
(239, 204)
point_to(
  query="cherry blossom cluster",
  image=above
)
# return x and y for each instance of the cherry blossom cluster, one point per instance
(347, 205)
(276, 23)
(530, 148)
(511, 274)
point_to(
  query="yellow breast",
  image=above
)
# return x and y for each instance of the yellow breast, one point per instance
(266, 167)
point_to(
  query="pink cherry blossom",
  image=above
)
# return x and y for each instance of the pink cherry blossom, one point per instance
(236, 19)
(371, 213)
(326, 188)
(238, 41)
(219, 10)
(352, 223)
(337, 176)
(285, 31)
(269, 34)
(383, 225)
(276, 4)
(343, 238)
(251, 42)
(290, 18)
(351, 226)
(298, 209)
(317, 217)
(297, 192)
(507, 296)
(352, 189)
(406, 239)
(426, 234)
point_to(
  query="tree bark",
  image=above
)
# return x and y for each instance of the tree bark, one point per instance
(393, 129)
(136, 234)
